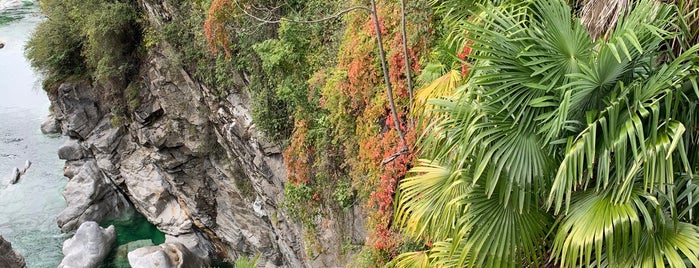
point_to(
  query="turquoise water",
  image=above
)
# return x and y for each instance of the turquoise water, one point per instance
(135, 229)
(27, 209)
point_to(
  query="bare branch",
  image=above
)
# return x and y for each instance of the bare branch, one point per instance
(394, 156)
(405, 53)
(389, 89)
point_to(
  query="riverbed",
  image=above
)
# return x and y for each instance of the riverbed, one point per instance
(27, 209)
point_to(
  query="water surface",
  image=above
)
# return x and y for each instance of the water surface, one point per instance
(28, 208)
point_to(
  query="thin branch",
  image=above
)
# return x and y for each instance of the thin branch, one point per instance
(394, 156)
(335, 16)
(405, 53)
(389, 90)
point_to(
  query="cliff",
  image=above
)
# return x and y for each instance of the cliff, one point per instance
(234, 137)
(191, 162)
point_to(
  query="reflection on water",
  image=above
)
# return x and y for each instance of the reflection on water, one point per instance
(28, 208)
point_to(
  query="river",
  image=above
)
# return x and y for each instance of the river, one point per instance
(28, 209)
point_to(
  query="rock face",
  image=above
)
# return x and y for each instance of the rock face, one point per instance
(8, 257)
(50, 126)
(168, 255)
(191, 162)
(90, 197)
(88, 247)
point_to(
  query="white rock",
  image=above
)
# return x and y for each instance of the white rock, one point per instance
(88, 247)
(168, 255)
(15, 176)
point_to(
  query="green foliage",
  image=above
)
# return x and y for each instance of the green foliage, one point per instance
(56, 48)
(296, 199)
(94, 38)
(344, 195)
(246, 262)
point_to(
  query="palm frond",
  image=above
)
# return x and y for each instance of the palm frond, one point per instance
(670, 245)
(429, 201)
(594, 227)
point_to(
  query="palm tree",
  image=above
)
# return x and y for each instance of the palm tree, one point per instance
(558, 148)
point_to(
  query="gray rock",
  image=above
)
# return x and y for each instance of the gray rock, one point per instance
(194, 242)
(121, 259)
(71, 150)
(149, 192)
(16, 174)
(89, 197)
(71, 168)
(81, 110)
(50, 125)
(8, 257)
(104, 138)
(88, 247)
(168, 255)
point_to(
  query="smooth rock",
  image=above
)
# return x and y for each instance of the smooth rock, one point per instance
(50, 125)
(2, 44)
(16, 174)
(88, 247)
(7, 4)
(89, 197)
(8, 257)
(168, 255)
(27, 164)
(121, 259)
(149, 193)
(70, 150)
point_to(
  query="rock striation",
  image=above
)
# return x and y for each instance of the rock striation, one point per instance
(8, 257)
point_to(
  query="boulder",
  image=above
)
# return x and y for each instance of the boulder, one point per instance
(7, 4)
(8, 257)
(71, 150)
(168, 255)
(121, 258)
(88, 247)
(50, 126)
(16, 174)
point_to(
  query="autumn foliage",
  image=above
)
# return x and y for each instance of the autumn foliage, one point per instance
(214, 29)
(361, 124)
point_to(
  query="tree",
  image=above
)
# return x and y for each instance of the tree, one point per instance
(591, 141)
